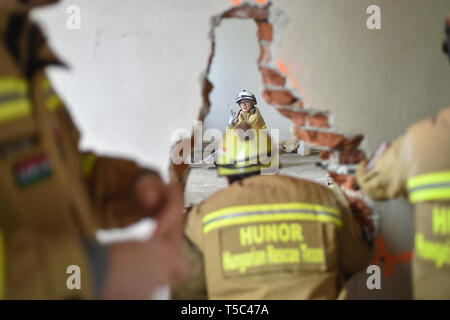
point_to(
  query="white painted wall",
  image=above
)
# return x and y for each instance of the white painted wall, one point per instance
(375, 82)
(234, 68)
(135, 71)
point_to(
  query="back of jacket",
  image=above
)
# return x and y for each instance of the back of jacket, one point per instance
(418, 166)
(44, 207)
(276, 237)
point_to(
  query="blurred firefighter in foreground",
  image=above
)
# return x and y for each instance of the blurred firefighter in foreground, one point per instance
(270, 236)
(418, 165)
(53, 197)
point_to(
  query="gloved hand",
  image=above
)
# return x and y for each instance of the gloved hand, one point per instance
(232, 118)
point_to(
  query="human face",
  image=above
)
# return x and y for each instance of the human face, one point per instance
(246, 104)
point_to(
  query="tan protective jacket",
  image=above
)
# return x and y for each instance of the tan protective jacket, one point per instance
(418, 164)
(51, 195)
(253, 117)
(273, 237)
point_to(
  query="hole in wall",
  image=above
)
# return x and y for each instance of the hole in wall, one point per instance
(234, 68)
(340, 153)
(281, 93)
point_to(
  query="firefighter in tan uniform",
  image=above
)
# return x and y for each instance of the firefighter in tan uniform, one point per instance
(270, 236)
(53, 197)
(417, 165)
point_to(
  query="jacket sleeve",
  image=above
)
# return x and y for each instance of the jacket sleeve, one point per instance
(388, 178)
(110, 182)
(193, 228)
(354, 252)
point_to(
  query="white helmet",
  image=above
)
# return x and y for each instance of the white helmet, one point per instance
(245, 95)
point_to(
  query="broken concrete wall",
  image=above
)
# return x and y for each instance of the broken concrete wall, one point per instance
(135, 71)
(374, 82)
(235, 68)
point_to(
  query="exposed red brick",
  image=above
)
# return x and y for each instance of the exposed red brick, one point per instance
(281, 97)
(351, 144)
(351, 156)
(299, 118)
(344, 156)
(319, 120)
(207, 88)
(332, 155)
(271, 76)
(213, 50)
(361, 211)
(359, 204)
(320, 138)
(247, 11)
(328, 139)
(265, 31)
(347, 181)
(324, 155)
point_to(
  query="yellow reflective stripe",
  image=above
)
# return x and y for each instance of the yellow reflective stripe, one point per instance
(88, 164)
(270, 218)
(2, 267)
(270, 212)
(429, 194)
(10, 85)
(14, 110)
(52, 102)
(429, 187)
(230, 171)
(270, 207)
(14, 101)
(428, 179)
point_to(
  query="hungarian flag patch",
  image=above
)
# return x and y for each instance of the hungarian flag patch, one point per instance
(32, 170)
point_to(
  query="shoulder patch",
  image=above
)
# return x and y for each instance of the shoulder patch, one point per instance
(32, 170)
